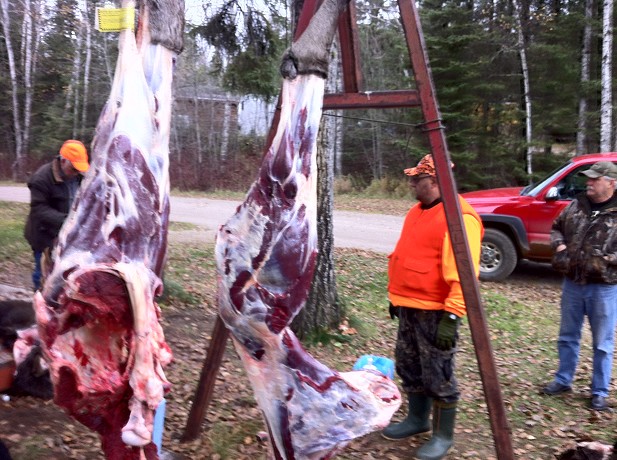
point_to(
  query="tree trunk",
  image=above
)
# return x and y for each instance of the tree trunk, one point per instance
(72, 89)
(108, 65)
(30, 43)
(322, 310)
(526, 87)
(86, 88)
(606, 102)
(335, 85)
(225, 131)
(197, 124)
(581, 128)
(19, 153)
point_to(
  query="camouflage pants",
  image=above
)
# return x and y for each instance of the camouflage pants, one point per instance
(423, 367)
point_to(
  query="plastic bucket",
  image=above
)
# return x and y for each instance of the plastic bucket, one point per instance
(376, 363)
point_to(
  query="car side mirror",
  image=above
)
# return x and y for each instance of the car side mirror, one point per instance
(552, 194)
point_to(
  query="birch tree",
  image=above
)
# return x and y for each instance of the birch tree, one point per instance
(526, 85)
(322, 309)
(606, 99)
(72, 97)
(30, 46)
(335, 124)
(86, 85)
(21, 75)
(6, 27)
(581, 128)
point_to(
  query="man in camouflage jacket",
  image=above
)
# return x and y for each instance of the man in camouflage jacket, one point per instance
(584, 238)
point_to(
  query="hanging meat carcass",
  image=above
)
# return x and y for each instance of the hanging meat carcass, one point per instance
(97, 316)
(266, 256)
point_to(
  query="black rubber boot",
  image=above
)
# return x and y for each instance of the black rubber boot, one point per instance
(443, 433)
(417, 419)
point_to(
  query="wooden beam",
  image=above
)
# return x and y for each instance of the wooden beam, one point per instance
(371, 100)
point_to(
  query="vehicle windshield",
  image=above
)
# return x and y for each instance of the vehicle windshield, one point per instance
(534, 189)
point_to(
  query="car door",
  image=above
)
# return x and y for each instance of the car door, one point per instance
(543, 211)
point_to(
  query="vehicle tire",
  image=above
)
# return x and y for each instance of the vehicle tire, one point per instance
(498, 258)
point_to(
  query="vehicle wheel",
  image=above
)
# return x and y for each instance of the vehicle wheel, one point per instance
(498, 258)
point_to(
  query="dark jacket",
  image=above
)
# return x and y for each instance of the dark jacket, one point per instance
(50, 202)
(591, 241)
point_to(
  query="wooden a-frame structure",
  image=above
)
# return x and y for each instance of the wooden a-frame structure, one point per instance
(354, 97)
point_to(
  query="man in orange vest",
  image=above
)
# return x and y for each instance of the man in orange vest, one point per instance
(425, 293)
(52, 190)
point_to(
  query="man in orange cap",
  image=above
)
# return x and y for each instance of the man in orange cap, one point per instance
(52, 190)
(425, 293)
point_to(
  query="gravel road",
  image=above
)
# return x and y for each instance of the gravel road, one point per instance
(375, 232)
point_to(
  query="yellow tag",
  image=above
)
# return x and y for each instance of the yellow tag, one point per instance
(115, 19)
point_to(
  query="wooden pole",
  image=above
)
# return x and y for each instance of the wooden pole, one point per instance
(205, 389)
(456, 228)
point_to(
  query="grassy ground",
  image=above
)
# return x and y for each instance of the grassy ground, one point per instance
(522, 316)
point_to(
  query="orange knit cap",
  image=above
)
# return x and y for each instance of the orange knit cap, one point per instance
(76, 153)
(425, 166)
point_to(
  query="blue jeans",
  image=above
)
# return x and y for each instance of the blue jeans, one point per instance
(37, 274)
(599, 303)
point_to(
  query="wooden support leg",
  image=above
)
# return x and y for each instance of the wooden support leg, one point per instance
(207, 379)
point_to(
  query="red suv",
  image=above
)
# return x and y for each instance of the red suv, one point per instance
(518, 220)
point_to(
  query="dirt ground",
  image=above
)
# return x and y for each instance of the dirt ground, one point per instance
(232, 429)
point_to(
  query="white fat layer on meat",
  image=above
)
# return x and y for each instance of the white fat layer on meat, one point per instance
(136, 432)
(320, 422)
(142, 85)
(146, 377)
(304, 93)
(240, 239)
(359, 403)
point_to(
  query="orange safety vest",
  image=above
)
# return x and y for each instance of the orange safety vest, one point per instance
(421, 274)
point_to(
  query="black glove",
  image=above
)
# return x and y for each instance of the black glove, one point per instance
(394, 311)
(446, 331)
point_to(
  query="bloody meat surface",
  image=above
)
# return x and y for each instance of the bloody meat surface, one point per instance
(266, 257)
(97, 315)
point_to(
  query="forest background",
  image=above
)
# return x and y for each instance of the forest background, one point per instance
(520, 84)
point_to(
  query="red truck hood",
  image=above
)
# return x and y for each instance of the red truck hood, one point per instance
(487, 201)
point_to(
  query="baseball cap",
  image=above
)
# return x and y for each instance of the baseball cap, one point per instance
(425, 166)
(76, 153)
(600, 169)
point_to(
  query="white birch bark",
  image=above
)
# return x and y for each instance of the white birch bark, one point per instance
(86, 85)
(33, 41)
(606, 99)
(6, 27)
(334, 84)
(75, 112)
(70, 92)
(108, 66)
(22, 89)
(225, 130)
(526, 87)
(581, 128)
(27, 59)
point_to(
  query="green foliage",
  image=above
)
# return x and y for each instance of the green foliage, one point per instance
(249, 73)
(253, 54)
(473, 55)
(221, 30)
